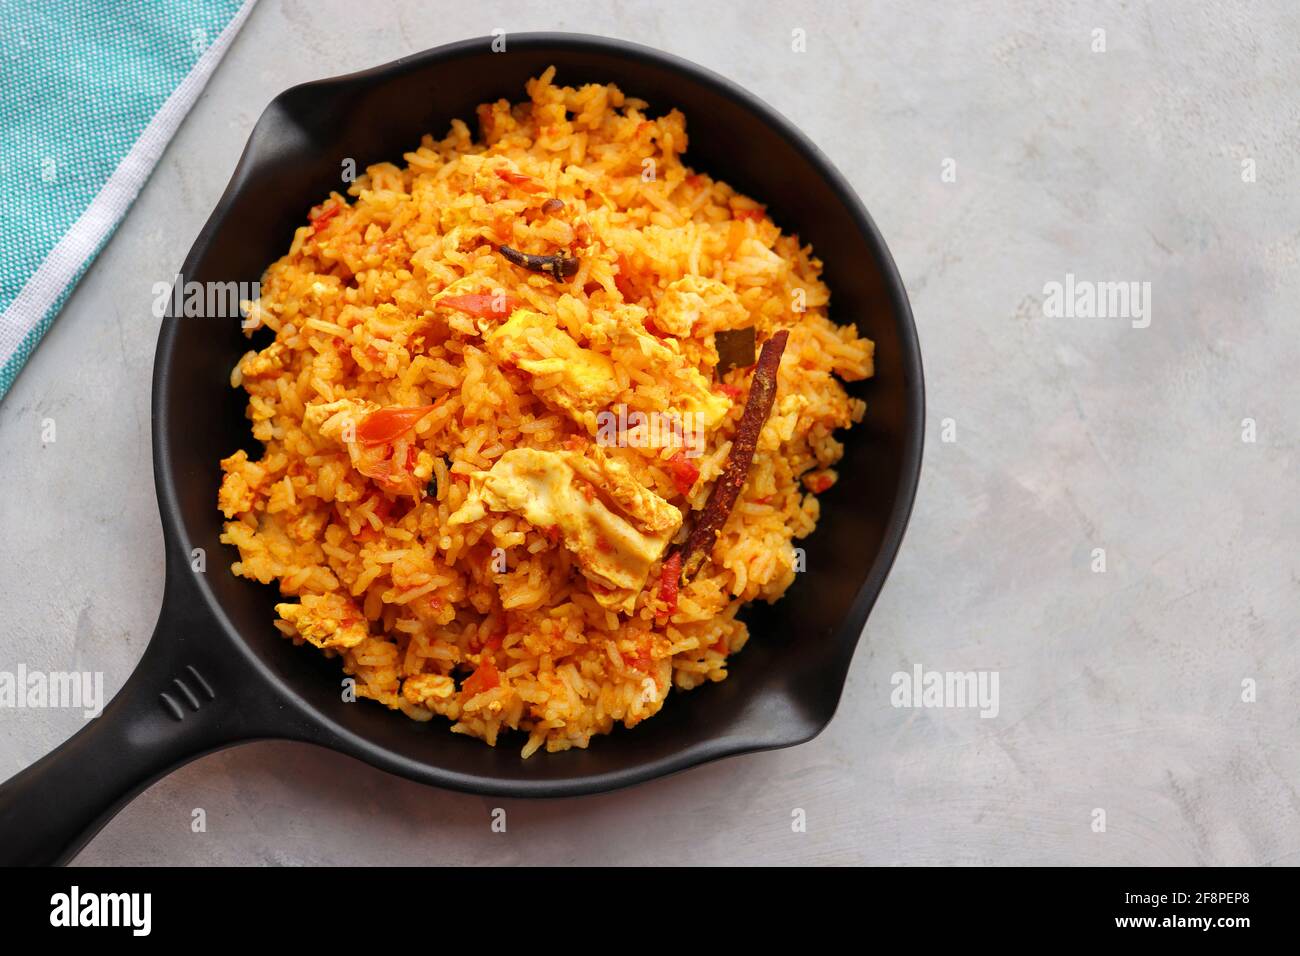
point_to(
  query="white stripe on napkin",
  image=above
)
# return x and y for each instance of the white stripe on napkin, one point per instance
(86, 235)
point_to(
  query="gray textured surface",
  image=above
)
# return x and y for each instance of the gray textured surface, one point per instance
(1119, 690)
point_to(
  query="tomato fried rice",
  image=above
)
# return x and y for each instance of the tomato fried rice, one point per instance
(461, 494)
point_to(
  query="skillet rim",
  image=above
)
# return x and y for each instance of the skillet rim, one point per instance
(314, 726)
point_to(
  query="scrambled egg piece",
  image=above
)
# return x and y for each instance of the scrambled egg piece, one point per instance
(534, 343)
(426, 689)
(625, 329)
(326, 620)
(588, 383)
(335, 423)
(614, 479)
(694, 305)
(582, 499)
(270, 361)
(237, 487)
(694, 392)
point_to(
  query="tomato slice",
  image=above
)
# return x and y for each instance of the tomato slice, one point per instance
(670, 579)
(526, 183)
(319, 221)
(485, 677)
(684, 474)
(483, 305)
(641, 659)
(389, 424)
(820, 484)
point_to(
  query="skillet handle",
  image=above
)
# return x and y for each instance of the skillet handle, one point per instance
(177, 705)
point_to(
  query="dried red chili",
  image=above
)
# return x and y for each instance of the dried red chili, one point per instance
(726, 490)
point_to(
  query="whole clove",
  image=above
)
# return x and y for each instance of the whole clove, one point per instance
(560, 266)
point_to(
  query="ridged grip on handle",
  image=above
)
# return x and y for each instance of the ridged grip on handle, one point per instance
(177, 705)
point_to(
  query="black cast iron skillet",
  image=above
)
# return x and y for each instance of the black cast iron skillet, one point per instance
(217, 673)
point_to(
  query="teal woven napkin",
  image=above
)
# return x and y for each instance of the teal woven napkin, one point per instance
(90, 93)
